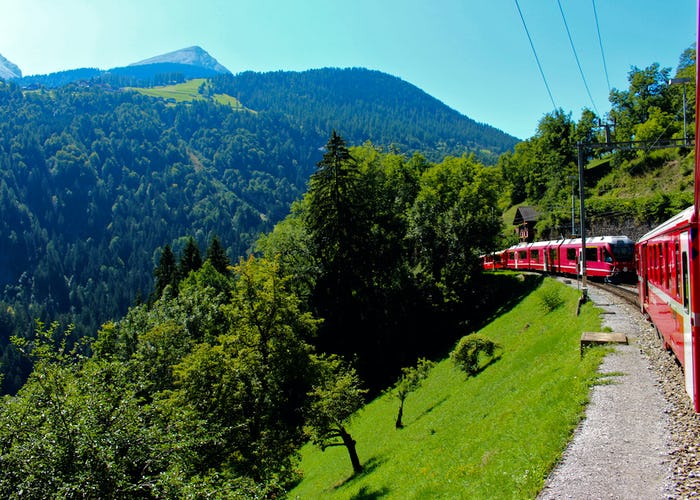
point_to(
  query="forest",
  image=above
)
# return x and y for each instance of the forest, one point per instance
(95, 181)
(225, 361)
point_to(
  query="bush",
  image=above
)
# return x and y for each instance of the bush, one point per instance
(550, 298)
(473, 350)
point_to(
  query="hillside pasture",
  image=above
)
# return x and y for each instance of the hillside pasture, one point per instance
(494, 435)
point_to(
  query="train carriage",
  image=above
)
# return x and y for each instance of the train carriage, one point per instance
(538, 256)
(607, 257)
(667, 268)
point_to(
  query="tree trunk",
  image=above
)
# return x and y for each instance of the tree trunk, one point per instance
(349, 443)
(399, 423)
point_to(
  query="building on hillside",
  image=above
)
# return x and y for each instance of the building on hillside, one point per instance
(524, 222)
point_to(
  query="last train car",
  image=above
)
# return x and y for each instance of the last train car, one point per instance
(668, 268)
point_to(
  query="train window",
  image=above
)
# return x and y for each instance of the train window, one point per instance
(535, 255)
(606, 256)
(592, 254)
(686, 281)
(667, 267)
(497, 257)
(553, 254)
(522, 255)
(570, 254)
(677, 273)
(622, 251)
(511, 255)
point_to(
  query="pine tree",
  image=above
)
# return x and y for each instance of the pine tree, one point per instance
(216, 254)
(191, 259)
(165, 273)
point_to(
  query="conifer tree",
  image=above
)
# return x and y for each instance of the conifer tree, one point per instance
(165, 273)
(191, 259)
(216, 254)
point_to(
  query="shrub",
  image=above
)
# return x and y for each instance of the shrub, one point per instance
(550, 298)
(473, 350)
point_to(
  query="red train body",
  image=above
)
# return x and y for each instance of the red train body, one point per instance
(607, 257)
(668, 268)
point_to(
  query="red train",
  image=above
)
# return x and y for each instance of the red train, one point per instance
(668, 268)
(608, 257)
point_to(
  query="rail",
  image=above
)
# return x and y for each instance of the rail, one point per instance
(628, 293)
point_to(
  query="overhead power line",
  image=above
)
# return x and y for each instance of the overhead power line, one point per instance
(600, 42)
(578, 63)
(532, 45)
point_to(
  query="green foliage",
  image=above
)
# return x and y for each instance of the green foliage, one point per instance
(451, 223)
(634, 189)
(334, 398)
(216, 255)
(410, 380)
(191, 259)
(473, 352)
(550, 298)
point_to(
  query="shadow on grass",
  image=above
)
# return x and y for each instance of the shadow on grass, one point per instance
(366, 493)
(367, 468)
(486, 365)
(500, 292)
(429, 409)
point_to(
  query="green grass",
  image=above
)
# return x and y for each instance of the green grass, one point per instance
(496, 435)
(187, 92)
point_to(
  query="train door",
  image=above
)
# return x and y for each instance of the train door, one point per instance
(643, 275)
(688, 364)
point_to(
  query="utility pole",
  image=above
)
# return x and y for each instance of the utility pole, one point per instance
(573, 205)
(584, 284)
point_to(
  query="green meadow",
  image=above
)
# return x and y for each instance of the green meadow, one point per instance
(494, 435)
(187, 92)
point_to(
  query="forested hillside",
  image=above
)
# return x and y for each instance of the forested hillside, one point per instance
(210, 388)
(368, 105)
(95, 181)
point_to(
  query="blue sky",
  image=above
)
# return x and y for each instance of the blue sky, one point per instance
(473, 55)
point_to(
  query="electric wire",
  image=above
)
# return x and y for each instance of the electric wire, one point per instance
(578, 63)
(532, 45)
(600, 42)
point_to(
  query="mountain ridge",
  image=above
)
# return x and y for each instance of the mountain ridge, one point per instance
(8, 69)
(190, 62)
(194, 56)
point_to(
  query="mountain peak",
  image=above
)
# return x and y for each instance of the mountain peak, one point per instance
(9, 70)
(193, 56)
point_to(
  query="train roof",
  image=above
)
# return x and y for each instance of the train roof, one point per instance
(679, 219)
(617, 239)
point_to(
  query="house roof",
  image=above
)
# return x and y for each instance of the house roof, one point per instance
(525, 214)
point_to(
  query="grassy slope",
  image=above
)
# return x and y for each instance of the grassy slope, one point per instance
(496, 435)
(186, 92)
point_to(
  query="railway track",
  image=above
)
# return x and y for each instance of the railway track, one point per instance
(628, 293)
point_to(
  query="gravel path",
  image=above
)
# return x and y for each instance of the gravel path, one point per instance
(640, 436)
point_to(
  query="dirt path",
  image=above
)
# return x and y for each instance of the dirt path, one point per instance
(623, 448)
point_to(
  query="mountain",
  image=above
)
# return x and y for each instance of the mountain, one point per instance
(8, 69)
(191, 56)
(173, 67)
